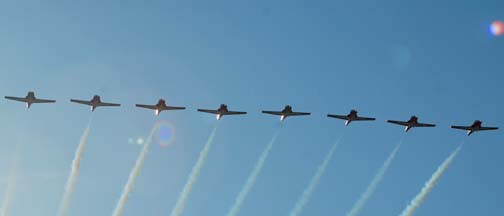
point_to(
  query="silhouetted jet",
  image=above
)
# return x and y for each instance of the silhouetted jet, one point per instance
(286, 112)
(476, 126)
(160, 106)
(413, 122)
(29, 99)
(352, 116)
(95, 102)
(222, 111)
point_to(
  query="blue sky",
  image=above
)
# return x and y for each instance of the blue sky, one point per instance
(389, 59)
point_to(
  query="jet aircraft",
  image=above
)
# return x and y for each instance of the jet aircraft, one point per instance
(95, 102)
(160, 106)
(476, 126)
(286, 112)
(411, 123)
(352, 116)
(29, 99)
(222, 111)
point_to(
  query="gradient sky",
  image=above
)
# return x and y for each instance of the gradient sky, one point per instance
(388, 59)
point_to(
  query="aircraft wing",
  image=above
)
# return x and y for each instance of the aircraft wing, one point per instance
(108, 104)
(273, 112)
(398, 122)
(43, 101)
(364, 119)
(174, 108)
(461, 127)
(299, 114)
(16, 98)
(208, 111)
(425, 125)
(146, 106)
(235, 113)
(489, 128)
(81, 102)
(344, 117)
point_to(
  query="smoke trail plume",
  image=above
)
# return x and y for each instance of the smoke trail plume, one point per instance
(74, 173)
(9, 193)
(303, 200)
(356, 209)
(135, 172)
(181, 202)
(429, 185)
(253, 176)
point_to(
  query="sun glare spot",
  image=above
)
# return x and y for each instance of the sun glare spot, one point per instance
(497, 28)
(165, 134)
(140, 141)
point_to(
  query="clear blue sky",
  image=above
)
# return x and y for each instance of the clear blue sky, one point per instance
(388, 59)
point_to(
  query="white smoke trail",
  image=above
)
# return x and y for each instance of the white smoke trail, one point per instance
(252, 178)
(303, 200)
(135, 172)
(74, 173)
(374, 183)
(9, 193)
(181, 202)
(429, 185)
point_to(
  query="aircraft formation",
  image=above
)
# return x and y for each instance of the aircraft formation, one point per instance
(223, 110)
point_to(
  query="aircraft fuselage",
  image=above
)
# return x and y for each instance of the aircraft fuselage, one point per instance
(160, 106)
(350, 117)
(222, 111)
(286, 112)
(94, 102)
(476, 126)
(411, 123)
(30, 98)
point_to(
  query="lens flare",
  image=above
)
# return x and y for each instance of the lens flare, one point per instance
(165, 134)
(140, 141)
(497, 28)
